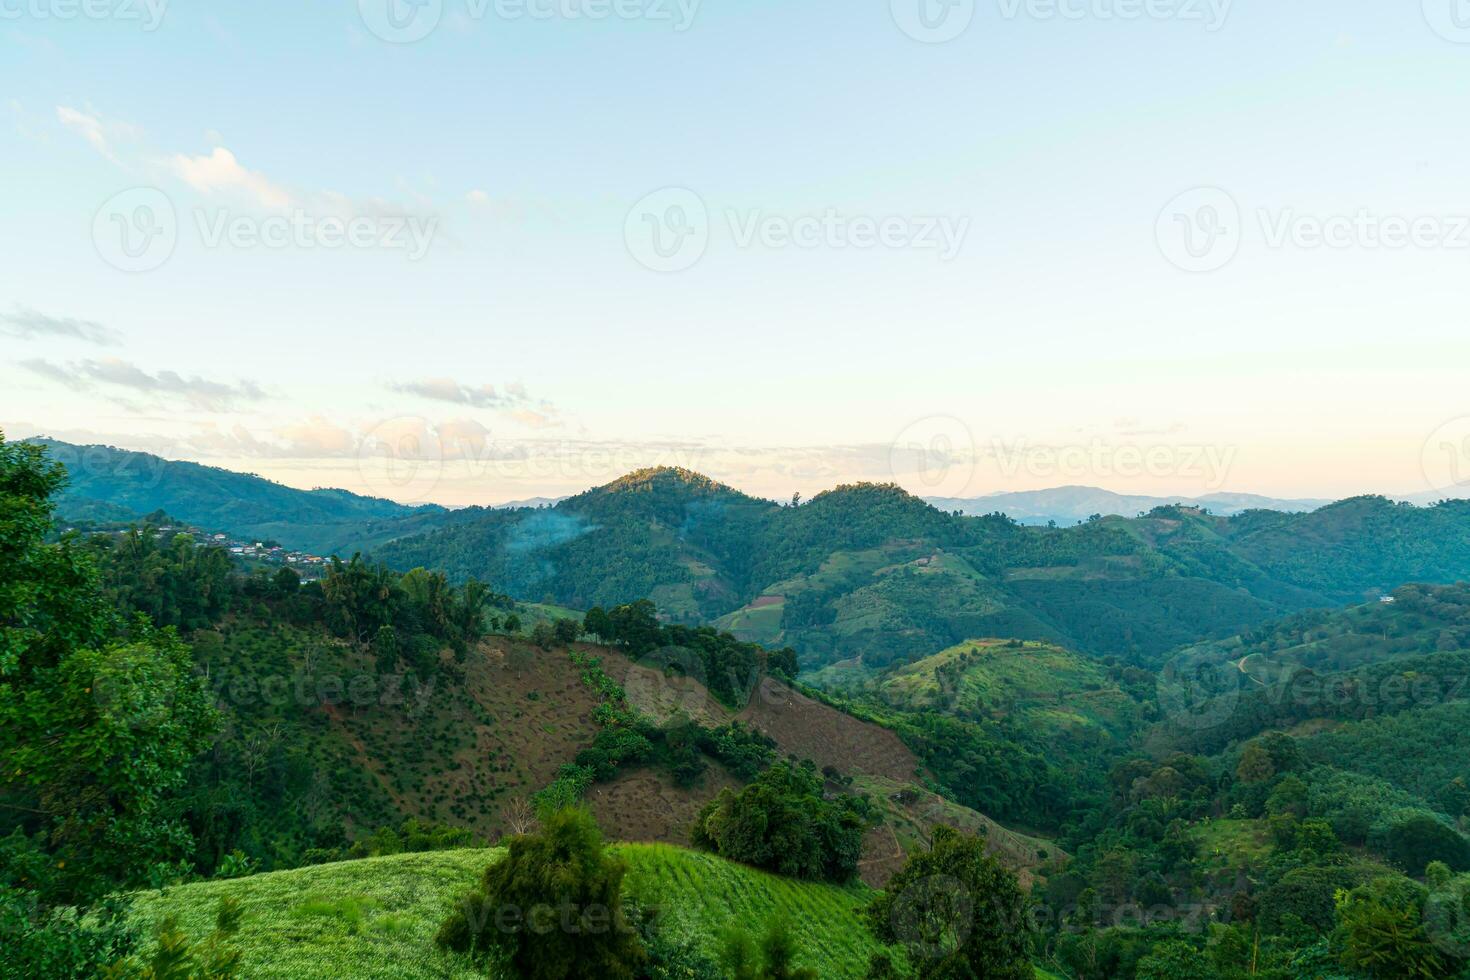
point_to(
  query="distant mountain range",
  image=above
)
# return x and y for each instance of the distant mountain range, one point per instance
(860, 571)
(1069, 505)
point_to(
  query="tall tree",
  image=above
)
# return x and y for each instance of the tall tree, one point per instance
(97, 726)
(957, 911)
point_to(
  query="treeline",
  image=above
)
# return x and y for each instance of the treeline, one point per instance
(404, 619)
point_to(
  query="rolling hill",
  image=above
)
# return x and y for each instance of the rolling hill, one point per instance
(872, 572)
(115, 485)
(860, 571)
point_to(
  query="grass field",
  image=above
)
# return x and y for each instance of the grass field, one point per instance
(376, 918)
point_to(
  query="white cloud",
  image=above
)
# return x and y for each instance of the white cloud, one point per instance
(26, 324)
(166, 386)
(221, 171)
(102, 134)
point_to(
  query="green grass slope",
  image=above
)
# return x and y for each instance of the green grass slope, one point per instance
(376, 918)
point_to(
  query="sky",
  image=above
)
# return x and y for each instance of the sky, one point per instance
(473, 251)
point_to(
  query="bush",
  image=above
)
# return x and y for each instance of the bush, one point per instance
(560, 877)
(782, 823)
(1413, 843)
(957, 911)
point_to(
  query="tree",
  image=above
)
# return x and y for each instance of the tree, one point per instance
(519, 816)
(552, 908)
(774, 958)
(97, 725)
(1382, 940)
(1413, 843)
(469, 612)
(1175, 960)
(597, 623)
(566, 631)
(957, 911)
(781, 822)
(1255, 765)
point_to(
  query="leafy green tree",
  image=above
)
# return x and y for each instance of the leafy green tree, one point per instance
(552, 908)
(1175, 960)
(772, 958)
(543, 635)
(957, 911)
(1413, 843)
(96, 729)
(781, 822)
(1385, 941)
(566, 631)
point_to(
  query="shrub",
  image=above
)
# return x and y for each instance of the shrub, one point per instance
(957, 911)
(559, 877)
(782, 823)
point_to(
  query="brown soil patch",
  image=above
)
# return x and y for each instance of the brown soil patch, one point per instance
(461, 752)
(809, 729)
(646, 805)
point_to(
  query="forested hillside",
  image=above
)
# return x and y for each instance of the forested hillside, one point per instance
(874, 572)
(105, 484)
(865, 570)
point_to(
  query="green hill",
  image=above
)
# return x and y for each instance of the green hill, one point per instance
(873, 572)
(866, 570)
(109, 484)
(376, 918)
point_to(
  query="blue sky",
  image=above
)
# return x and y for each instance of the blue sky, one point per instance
(498, 332)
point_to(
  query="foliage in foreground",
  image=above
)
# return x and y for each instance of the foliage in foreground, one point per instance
(553, 908)
(957, 912)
